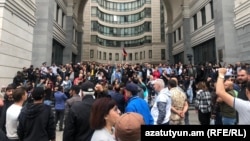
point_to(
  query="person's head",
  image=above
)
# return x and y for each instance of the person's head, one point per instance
(104, 112)
(175, 79)
(19, 94)
(172, 83)
(131, 89)
(128, 127)
(202, 86)
(117, 88)
(228, 85)
(88, 88)
(38, 93)
(9, 92)
(158, 85)
(242, 76)
(74, 90)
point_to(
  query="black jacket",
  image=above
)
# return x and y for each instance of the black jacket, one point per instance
(77, 127)
(7, 104)
(36, 123)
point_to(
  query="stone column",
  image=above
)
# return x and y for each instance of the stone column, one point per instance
(199, 19)
(187, 33)
(43, 33)
(208, 12)
(79, 46)
(225, 33)
(67, 52)
(169, 36)
(60, 17)
(55, 10)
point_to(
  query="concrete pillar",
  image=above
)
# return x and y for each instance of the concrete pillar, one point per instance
(79, 46)
(43, 33)
(208, 12)
(187, 32)
(170, 47)
(199, 19)
(177, 35)
(191, 24)
(55, 10)
(225, 33)
(60, 16)
(67, 52)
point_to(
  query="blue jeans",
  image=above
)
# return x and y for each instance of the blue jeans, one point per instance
(228, 121)
(190, 95)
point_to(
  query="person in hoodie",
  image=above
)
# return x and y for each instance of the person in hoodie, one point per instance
(161, 109)
(36, 120)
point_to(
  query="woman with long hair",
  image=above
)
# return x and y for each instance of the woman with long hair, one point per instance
(104, 114)
(203, 103)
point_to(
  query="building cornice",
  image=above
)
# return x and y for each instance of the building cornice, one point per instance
(15, 8)
(242, 15)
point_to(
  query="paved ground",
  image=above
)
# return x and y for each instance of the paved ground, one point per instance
(193, 120)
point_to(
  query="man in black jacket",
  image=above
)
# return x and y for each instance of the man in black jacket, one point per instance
(8, 101)
(36, 120)
(77, 126)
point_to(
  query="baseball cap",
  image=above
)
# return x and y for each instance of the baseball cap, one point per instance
(87, 86)
(128, 127)
(133, 88)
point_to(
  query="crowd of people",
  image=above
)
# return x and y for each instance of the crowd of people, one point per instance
(110, 102)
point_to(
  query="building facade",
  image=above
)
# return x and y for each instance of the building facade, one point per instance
(156, 31)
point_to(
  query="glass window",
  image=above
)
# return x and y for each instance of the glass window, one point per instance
(91, 54)
(140, 55)
(93, 38)
(163, 54)
(100, 55)
(110, 56)
(195, 22)
(116, 56)
(203, 16)
(212, 9)
(129, 6)
(104, 55)
(179, 33)
(136, 56)
(174, 37)
(130, 57)
(93, 11)
(111, 5)
(150, 54)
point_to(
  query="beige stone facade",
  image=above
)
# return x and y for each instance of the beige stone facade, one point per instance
(34, 31)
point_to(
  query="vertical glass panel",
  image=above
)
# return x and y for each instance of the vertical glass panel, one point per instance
(110, 56)
(117, 57)
(150, 54)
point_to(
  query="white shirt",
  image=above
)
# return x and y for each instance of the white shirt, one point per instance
(163, 96)
(12, 121)
(243, 108)
(102, 135)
